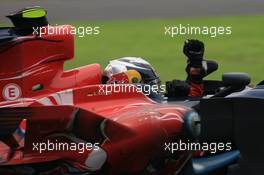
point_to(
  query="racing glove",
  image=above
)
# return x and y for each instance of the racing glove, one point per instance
(194, 51)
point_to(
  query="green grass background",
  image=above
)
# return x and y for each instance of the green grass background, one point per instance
(243, 50)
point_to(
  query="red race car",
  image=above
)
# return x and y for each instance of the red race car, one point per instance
(77, 122)
(67, 122)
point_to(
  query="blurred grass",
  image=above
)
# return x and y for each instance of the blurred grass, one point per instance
(243, 50)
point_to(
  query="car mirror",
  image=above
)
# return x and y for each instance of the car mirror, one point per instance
(236, 79)
(233, 82)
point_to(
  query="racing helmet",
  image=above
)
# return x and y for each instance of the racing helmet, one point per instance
(130, 70)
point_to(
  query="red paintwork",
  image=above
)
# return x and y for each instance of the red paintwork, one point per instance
(129, 127)
(31, 60)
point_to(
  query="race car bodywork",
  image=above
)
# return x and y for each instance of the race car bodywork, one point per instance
(116, 127)
(242, 115)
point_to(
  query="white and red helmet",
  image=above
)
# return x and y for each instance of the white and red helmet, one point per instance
(130, 70)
